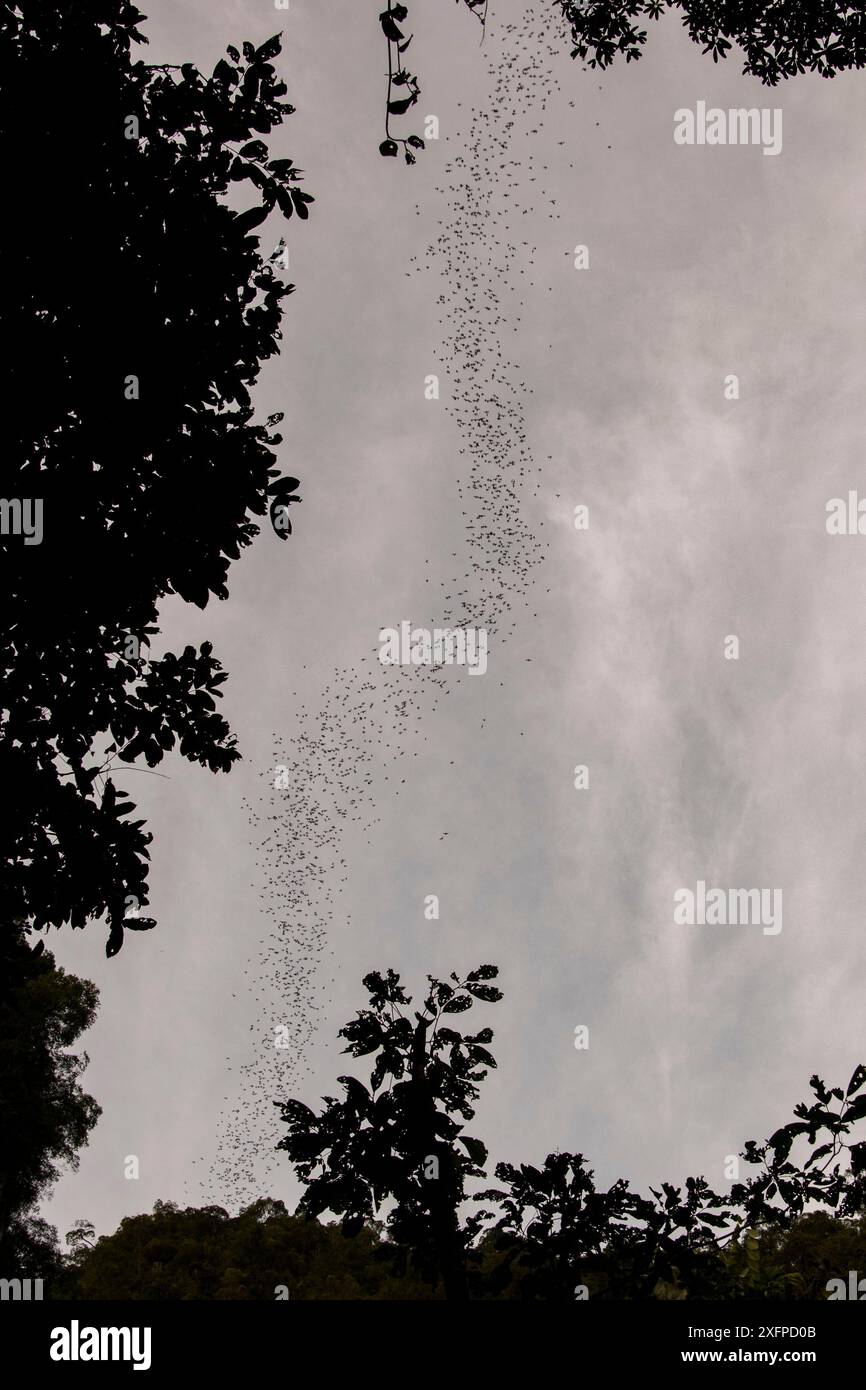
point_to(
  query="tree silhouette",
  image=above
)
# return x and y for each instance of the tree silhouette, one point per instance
(779, 38)
(832, 1172)
(264, 1253)
(141, 308)
(260, 1254)
(45, 1115)
(552, 1232)
(398, 1139)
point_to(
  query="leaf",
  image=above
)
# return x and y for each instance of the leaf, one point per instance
(233, 53)
(365, 1035)
(458, 1005)
(856, 1110)
(296, 1112)
(357, 1095)
(253, 217)
(489, 993)
(389, 28)
(300, 200)
(269, 49)
(398, 108)
(416, 142)
(476, 1150)
(283, 486)
(857, 1079)
(255, 149)
(788, 1192)
(115, 939)
(480, 1054)
(780, 1143)
(712, 1219)
(485, 1036)
(824, 1150)
(139, 923)
(134, 749)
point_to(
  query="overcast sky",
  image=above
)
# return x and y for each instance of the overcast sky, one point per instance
(602, 387)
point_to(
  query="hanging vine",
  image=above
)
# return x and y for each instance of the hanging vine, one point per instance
(403, 86)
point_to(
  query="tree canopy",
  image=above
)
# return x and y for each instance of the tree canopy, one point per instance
(45, 1115)
(399, 1139)
(263, 1253)
(141, 308)
(393, 1162)
(396, 1144)
(778, 39)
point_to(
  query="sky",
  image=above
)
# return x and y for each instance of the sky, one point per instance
(605, 387)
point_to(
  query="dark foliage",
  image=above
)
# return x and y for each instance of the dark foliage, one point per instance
(399, 1140)
(261, 1254)
(552, 1236)
(264, 1253)
(45, 1116)
(138, 308)
(778, 39)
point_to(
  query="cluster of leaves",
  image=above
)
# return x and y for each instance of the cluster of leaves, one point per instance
(556, 1232)
(778, 39)
(683, 1242)
(403, 87)
(551, 1229)
(45, 1115)
(753, 1273)
(148, 491)
(203, 1253)
(812, 1250)
(551, 1220)
(832, 1174)
(398, 1138)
